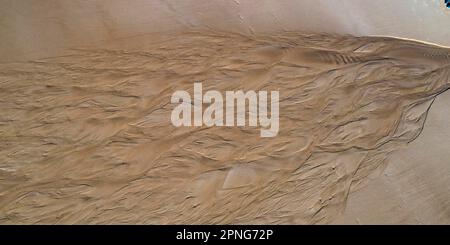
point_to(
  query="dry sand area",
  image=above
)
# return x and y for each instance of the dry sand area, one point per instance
(86, 136)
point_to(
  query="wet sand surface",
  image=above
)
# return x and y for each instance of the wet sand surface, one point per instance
(86, 137)
(415, 186)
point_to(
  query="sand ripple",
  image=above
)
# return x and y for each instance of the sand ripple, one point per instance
(87, 138)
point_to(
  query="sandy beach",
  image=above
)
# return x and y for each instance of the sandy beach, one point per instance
(85, 129)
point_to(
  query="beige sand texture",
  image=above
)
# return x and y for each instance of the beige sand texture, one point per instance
(85, 126)
(415, 187)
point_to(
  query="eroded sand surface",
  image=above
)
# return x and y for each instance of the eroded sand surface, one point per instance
(87, 138)
(415, 186)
